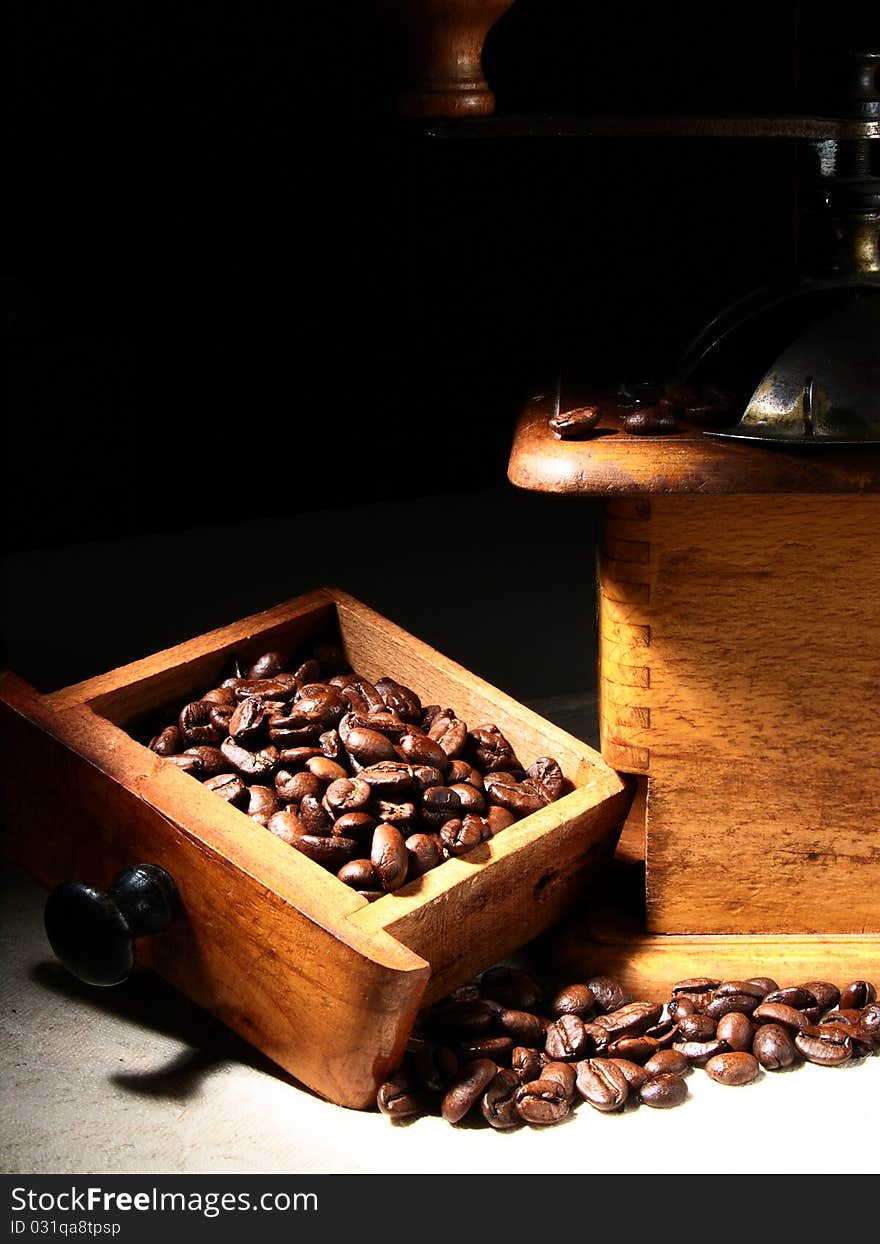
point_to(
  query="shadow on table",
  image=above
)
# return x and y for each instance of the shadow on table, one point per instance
(149, 1002)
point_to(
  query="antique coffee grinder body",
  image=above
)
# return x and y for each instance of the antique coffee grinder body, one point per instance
(739, 611)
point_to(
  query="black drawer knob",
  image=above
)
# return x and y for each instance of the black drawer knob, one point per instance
(92, 931)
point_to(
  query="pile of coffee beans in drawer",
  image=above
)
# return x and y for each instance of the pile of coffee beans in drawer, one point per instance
(359, 776)
(514, 1052)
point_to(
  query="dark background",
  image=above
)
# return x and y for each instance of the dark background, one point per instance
(263, 335)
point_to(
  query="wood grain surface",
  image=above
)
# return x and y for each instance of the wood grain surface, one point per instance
(743, 678)
(615, 463)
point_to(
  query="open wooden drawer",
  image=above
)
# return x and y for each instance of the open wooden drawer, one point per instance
(323, 982)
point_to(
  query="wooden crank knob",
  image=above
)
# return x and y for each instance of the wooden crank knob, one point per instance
(92, 931)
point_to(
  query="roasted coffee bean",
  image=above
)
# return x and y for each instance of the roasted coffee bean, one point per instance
(827, 1046)
(461, 835)
(542, 1102)
(498, 819)
(450, 732)
(440, 804)
(419, 749)
(838, 1016)
(667, 1062)
(862, 1044)
(773, 1047)
(224, 696)
(354, 824)
(520, 798)
(528, 1063)
(499, 1049)
(258, 766)
(680, 1008)
(295, 759)
(196, 725)
(247, 721)
(870, 1022)
(400, 815)
(664, 1033)
(826, 994)
(315, 817)
(332, 852)
(525, 1028)
(737, 1030)
(733, 996)
(565, 1076)
(735, 1068)
(572, 425)
(261, 689)
(267, 665)
(399, 1099)
(368, 746)
(635, 1075)
(400, 700)
(698, 1053)
(602, 1084)
(649, 421)
(567, 1039)
(287, 826)
(547, 771)
(230, 787)
(573, 1000)
(286, 730)
(630, 1020)
(766, 983)
(211, 759)
(634, 1049)
(697, 1027)
(490, 750)
(467, 1089)
(360, 875)
(663, 1092)
(189, 764)
(512, 987)
(424, 852)
(779, 1013)
(695, 986)
(608, 993)
(796, 996)
(262, 804)
(325, 770)
(347, 795)
(470, 798)
(293, 787)
(388, 856)
(318, 701)
(167, 742)
(498, 1103)
(347, 747)
(856, 995)
(330, 745)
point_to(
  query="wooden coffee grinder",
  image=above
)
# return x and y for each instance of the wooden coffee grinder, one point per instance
(739, 609)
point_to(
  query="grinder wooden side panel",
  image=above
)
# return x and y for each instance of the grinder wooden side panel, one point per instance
(740, 670)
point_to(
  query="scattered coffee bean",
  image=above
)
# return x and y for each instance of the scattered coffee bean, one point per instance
(570, 425)
(664, 1091)
(734, 1068)
(557, 1058)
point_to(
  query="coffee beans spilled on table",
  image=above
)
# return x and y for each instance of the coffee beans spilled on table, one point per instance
(511, 1051)
(359, 776)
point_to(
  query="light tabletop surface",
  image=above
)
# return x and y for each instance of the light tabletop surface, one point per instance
(139, 1080)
